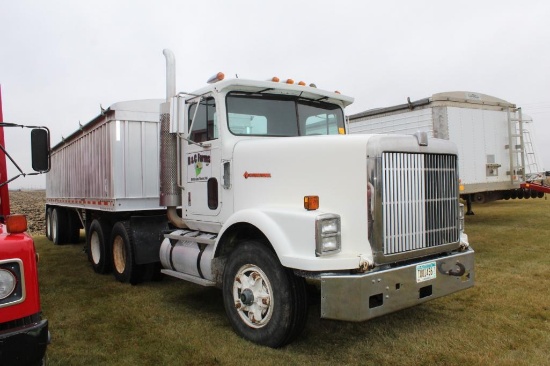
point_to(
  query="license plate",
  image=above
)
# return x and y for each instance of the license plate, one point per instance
(425, 272)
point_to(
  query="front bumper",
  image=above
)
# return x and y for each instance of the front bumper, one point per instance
(25, 345)
(365, 296)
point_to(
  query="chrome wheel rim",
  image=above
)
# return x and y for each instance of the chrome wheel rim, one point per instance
(253, 296)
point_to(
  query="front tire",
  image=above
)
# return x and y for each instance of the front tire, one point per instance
(265, 302)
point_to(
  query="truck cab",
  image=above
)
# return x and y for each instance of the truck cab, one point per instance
(274, 193)
(225, 121)
(24, 334)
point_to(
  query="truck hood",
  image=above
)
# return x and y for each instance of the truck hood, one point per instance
(279, 172)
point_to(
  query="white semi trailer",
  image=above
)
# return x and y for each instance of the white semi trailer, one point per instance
(495, 145)
(254, 187)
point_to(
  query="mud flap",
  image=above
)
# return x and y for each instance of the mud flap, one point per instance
(147, 232)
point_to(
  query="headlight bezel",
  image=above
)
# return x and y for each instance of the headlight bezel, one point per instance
(328, 229)
(13, 267)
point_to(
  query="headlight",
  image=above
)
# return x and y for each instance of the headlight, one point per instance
(461, 217)
(7, 283)
(327, 235)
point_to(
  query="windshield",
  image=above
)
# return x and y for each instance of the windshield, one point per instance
(277, 115)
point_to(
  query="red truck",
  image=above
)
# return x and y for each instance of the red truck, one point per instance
(24, 334)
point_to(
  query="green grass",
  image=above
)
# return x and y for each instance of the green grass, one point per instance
(503, 320)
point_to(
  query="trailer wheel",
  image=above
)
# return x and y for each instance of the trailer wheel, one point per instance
(480, 197)
(97, 246)
(49, 223)
(265, 302)
(124, 267)
(58, 226)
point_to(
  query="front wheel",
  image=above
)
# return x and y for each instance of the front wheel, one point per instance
(265, 302)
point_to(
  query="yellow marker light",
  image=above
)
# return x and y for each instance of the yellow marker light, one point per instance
(289, 81)
(16, 224)
(341, 131)
(311, 203)
(302, 83)
(218, 77)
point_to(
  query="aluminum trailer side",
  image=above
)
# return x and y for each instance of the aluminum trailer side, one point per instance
(105, 173)
(111, 163)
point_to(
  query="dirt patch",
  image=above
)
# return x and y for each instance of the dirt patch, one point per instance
(32, 204)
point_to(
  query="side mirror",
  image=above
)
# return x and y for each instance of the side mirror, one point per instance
(40, 149)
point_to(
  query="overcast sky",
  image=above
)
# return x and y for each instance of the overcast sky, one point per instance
(59, 60)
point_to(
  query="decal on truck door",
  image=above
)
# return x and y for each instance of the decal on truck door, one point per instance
(199, 167)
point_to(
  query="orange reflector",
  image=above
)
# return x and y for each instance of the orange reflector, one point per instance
(289, 81)
(218, 77)
(275, 79)
(302, 83)
(311, 203)
(16, 224)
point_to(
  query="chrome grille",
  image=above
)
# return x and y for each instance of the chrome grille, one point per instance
(419, 201)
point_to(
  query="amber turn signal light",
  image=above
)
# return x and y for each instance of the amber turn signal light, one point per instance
(218, 77)
(16, 224)
(311, 203)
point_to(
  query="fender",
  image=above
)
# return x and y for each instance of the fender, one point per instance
(291, 233)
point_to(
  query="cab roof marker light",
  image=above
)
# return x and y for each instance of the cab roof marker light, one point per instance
(312, 85)
(289, 81)
(337, 92)
(302, 83)
(218, 77)
(274, 79)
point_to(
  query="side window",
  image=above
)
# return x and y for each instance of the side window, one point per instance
(205, 125)
(322, 124)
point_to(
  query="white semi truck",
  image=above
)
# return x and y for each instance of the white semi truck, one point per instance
(497, 152)
(262, 194)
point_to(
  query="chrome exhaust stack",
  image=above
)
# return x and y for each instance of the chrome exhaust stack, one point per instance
(170, 193)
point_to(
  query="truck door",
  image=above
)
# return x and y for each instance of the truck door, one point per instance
(202, 157)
